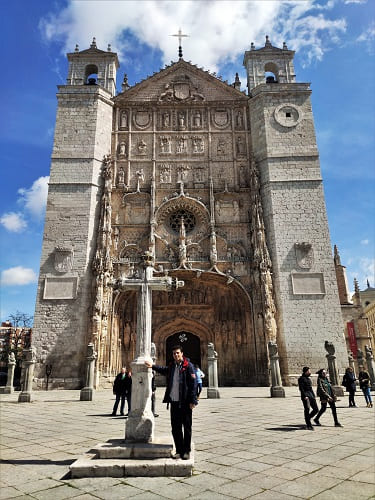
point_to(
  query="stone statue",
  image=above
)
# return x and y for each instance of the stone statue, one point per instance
(122, 149)
(277, 391)
(124, 119)
(213, 386)
(142, 147)
(240, 146)
(166, 120)
(140, 178)
(197, 121)
(121, 177)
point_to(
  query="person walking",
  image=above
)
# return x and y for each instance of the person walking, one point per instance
(364, 384)
(307, 397)
(122, 387)
(349, 383)
(200, 375)
(327, 396)
(181, 395)
(153, 394)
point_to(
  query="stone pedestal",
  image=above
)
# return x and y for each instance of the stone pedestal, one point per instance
(277, 391)
(87, 393)
(140, 423)
(8, 389)
(28, 363)
(213, 386)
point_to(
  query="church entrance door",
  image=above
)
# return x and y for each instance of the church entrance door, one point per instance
(190, 343)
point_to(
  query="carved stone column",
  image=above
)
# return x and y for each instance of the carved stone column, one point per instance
(213, 385)
(332, 368)
(277, 391)
(28, 363)
(88, 391)
(8, 389)
(370, 366)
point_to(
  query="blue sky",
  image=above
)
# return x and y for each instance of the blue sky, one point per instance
(334, 43)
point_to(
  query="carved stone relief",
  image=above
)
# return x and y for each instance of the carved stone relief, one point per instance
(142, 119)
(180, 89)
(182, 172)
(123, 119)
(165, 173)
(304, 255)
(122, 149)
(165, 144)
(198, 144)
(63, 261)
(221, 118)
(181, 145)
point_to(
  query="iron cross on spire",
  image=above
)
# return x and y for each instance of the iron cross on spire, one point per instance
(180, 36)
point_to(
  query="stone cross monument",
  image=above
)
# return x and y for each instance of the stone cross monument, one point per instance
(8, 389)
(140, 424)
(332, 368)
(277, 390)
(213, 383)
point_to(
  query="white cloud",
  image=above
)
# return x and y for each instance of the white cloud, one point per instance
(364, 242)
(35, 197)
(13, 221)
(367, 37)
(355, 1)
(18, 276)
(218, 31)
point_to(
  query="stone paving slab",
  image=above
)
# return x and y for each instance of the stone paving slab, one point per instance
(247, 445)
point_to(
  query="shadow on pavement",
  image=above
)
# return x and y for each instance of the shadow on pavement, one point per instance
(37, 462)
(287, 428)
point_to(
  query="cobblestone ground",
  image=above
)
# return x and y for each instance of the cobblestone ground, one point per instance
(247, 446)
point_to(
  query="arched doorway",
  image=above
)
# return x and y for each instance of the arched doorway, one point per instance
(190, 343)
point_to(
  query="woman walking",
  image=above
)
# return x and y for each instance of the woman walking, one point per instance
(364, 384)
(327, 396)
(349, 383)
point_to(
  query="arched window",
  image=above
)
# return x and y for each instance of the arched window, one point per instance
(271, 73)
(91, 75)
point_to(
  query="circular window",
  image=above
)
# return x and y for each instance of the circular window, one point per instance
(175, 221)
(287, 115)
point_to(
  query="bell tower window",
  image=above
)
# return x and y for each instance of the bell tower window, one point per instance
(91, 75)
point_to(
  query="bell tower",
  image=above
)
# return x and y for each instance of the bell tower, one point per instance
(82, 138)
(285, 149)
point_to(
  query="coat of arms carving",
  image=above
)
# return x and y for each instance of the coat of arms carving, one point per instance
(304, 255)
(181, 89)
(63, 262)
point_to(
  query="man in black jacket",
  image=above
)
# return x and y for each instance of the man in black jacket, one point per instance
(181, 394)
(122, 388)
(308, 397)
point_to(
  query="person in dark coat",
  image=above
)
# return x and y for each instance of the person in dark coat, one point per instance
(122, 388)
(181, 395)
(364, 384)
(153, 395)
(349, 383)
(327, 396)
(307, 396)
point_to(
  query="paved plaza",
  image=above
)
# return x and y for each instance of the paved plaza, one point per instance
(247, 446)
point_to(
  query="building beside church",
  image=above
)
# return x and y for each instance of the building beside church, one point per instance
(223, 188)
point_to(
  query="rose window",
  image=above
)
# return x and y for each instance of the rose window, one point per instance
(175, 221)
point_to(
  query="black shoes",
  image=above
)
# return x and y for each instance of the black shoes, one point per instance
(156, 414)
(337, 424)
(186, 456)
(309, 428)
(317, 422)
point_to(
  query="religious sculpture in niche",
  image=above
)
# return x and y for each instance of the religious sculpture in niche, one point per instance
(142, 147)
(240, 146)
(124, 119)
(198, 145)
(239, 119)
(166, 119)
(140, 176)
(165, 144)
(121, 177)
(165, 173)
(221, 146)
(122, 149)
(181, 117)
(63, 262)
(199, 172)
(182, 172)
(243, 176)
(197, 119)
(181, 145)
(304, 255)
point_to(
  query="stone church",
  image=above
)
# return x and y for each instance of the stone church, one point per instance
(222, 187)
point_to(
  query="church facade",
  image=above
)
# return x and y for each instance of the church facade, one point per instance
(223, 188)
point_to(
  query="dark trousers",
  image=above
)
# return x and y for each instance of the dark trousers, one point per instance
(181, 418)
(199, 389)
(351, 397)
(153, 401)
(309, 404)
(122, 397)
(323, 409)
